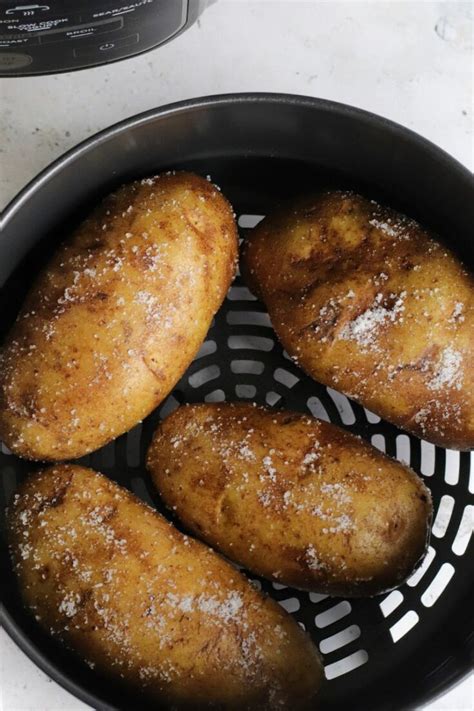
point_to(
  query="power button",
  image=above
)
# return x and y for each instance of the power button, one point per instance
(93, 49)
(9, 61)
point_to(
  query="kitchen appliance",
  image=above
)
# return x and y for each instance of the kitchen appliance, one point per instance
(62, 35)
(396, 651)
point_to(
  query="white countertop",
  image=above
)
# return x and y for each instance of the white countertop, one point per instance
(409, 61)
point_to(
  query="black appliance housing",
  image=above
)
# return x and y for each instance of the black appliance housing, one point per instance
(55, 36)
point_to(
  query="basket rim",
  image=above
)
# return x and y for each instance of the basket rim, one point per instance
(212, 102)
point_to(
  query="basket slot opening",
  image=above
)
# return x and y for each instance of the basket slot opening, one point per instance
(206, 349)
(248, 318)
(271, 398)
(335, 613)
(169, 406)
(402, 444)
(317, 409)
(437, 585)
(203, 376)
(317, 597)
(378, 441)
(245, 391)
(248, 222)
(291, 604)
(258, 343)
(451, 475)
(215, 396)
(336, 641)
(240, 293)
(465, 531)
(418, 574)
(346, 665)
(284, 377)
(371, 417)
(404, 625)
(251, 367)
(428, 455)
(343, 405)
(391, 602)
(443, 516)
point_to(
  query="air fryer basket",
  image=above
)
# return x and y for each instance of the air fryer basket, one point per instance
(395, 651)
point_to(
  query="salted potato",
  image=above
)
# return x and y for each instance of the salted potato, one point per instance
(115, 319)
(139, 601)
(292, 498)
(367, 302)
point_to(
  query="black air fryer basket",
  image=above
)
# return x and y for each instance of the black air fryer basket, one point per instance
(396, 651)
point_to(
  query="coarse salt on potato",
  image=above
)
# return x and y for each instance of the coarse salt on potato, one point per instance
(116, 317)
(292, 498)
(368, 302)
(142, 603)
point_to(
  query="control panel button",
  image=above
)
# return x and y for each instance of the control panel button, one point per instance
(10, 61)
(92, 50)
(13, 25)
(26, 10)
(17, 41)
(126, 8)
(32, 25)
(80, 31)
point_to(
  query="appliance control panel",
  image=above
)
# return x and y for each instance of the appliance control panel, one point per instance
(55, 36)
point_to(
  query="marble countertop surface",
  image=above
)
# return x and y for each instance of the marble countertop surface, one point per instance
(410, 61)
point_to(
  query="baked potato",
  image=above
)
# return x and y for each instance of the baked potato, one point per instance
(368, 302)
(114, 320)
(141, 602)
(294, 499)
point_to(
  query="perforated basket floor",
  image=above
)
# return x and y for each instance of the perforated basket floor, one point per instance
(389, 652)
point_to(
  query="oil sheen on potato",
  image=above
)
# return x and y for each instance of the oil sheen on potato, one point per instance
(142, 603)
(292, 498)
(116, 317)
(368, 302)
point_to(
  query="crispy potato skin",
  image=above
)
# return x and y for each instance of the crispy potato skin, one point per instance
(139, 601)
(292, 498)
(365, 301)
(115, 319)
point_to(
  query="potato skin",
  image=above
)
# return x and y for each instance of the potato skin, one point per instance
(142, 602)
(112, 323)
(292, 498)
(367, 302)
